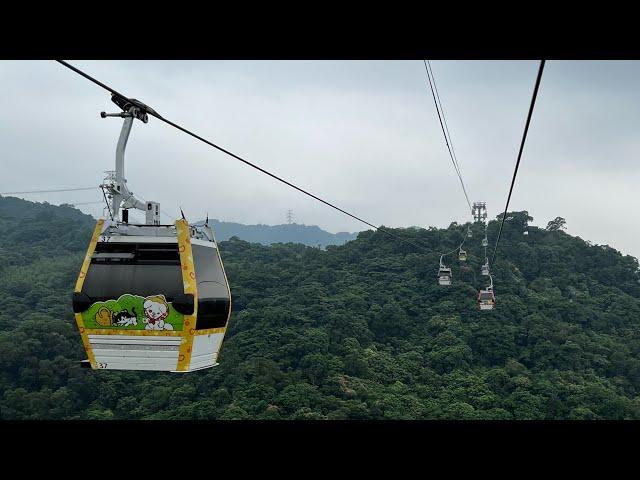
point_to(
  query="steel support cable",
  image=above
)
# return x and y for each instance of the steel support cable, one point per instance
(168, 122)
(444, 132)
(447, 138)
(84, 203)
(454, 250)
(515, 172)
(486, 258)
(440, 119)
(444, 118)
(50, 191)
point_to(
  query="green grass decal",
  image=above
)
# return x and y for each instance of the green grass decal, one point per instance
(128, 313)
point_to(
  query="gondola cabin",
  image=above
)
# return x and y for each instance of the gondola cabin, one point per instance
(484, 270)
(152, 297)
(462, 255)
(485, 242)
(444, 275)
(486, 299)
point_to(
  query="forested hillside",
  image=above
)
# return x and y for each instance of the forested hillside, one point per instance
(356, 331)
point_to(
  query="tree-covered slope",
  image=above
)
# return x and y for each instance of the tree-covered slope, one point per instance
(358, 331)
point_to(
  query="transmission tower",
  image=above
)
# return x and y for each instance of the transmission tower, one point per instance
(479, 211)
(289, 217)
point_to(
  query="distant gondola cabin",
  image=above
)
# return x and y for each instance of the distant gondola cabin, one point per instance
(486, 299)
(444, 275)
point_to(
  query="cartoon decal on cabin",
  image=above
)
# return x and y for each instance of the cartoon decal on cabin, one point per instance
(133, 312)
(156, 310)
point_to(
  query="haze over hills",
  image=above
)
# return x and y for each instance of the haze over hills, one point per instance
(356, 331)
(310, 235)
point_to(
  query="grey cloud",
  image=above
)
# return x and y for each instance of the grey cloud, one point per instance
(362, 134)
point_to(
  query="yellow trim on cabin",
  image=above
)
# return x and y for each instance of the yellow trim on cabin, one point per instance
(79, 283)
(189, 281)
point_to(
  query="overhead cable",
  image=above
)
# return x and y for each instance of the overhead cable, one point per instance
(524, 138)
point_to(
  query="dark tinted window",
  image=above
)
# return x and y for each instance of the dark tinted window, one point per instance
(213, 294)
(110, 281)
(140, 269)
(212, 313)
(137, 253)
(207, 263)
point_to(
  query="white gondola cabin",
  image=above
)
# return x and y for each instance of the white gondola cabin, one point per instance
(462, 255)
(152, 297)
(444, 275)
(149, 296)
(486, 299)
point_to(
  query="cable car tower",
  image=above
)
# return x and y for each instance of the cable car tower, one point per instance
(479, 212)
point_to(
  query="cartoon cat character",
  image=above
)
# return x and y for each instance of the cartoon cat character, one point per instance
(156, 309)
(107, 318)
(126, 319)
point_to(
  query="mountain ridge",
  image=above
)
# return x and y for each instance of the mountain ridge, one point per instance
(310, 235)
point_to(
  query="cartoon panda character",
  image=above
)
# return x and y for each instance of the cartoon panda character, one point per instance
(156, 309)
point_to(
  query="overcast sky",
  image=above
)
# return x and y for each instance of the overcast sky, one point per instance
(362, 134)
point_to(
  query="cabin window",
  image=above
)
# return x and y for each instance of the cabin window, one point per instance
(213, 293)
(212, 313)
(143, 269)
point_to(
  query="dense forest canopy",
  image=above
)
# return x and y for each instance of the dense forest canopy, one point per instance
(356, 331)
